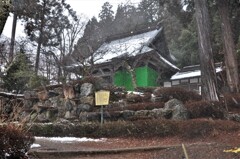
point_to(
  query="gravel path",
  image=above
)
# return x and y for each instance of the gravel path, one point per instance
(131, 148)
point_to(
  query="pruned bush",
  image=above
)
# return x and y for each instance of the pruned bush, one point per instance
(232, 101)
(176, 92)
(14, 141)
(202, 109)
(187, 129)
(196, 128)
(138, 128)
(138, 106)
(137, 98)
(146, 89)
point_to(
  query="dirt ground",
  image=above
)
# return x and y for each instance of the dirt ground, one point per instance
(211, 147)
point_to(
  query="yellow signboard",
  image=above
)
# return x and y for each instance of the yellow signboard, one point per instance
(102, 98)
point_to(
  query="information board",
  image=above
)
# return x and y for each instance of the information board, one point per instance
(102, 98)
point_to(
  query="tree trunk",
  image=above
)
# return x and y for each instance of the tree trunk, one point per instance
(132, 73)
(14, 25)
(230, 55)
(40, 39)
(208, 73)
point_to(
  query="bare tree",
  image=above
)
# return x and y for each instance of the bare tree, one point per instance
(67, 40)
(208, 74)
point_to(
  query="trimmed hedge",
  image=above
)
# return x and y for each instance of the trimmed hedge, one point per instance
(139, 128)
(138, 106)
(205, 109)
(176, 92)
(232, 101)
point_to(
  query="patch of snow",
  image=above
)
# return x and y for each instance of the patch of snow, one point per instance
(7, 154)
(134, 92)
(12, 94)
(70, 139)
(167, 62)
(35, 146)
(190, 74)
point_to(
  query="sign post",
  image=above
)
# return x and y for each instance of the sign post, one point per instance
(101, 99)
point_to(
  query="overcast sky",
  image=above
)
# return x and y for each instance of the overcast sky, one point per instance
(89, 8)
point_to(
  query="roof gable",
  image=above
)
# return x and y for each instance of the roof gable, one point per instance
(128, 46)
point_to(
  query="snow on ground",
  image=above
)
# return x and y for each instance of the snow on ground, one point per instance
(66, 140)
(136, 93)
(35, 145)
(70, 139)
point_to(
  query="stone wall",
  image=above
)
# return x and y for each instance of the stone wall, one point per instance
(76, 102)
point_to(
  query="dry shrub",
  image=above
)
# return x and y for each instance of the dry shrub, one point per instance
(202, 109)
(232, 101)
(14, 141)
(176, 92)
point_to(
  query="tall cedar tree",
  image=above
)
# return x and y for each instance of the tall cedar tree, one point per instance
(45, 25)
(19, 9)
(230, 55)
(208, 74)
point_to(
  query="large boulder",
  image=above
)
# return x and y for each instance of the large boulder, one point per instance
(68, 92)
(70, 115)
(179, 112)
(160, 113)
(84, 108)
(77, 89)
(42, 117)
(51, 114)
(89, 116)
(87, 100)
(28, 104)
(142, 113)
(56, 101)
(59, 90)
(69, 105)
(42, 95)
(86, 89)
(234, 117)
(30, 94)
(126, 114)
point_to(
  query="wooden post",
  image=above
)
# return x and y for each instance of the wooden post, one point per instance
(101, 116)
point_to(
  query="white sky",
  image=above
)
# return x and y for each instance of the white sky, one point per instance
(89, 8)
